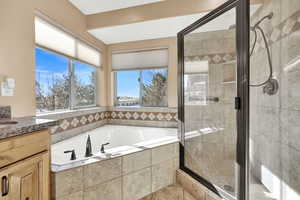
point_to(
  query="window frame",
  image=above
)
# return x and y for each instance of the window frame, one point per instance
(71, 74)
(206, 96)
(115, 89)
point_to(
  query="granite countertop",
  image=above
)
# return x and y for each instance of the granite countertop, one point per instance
(25, 125)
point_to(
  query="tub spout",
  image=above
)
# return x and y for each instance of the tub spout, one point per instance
(103, 146)
(88, 149)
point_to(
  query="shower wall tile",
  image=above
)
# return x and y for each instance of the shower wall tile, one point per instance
(291, 169)
(271, 6)
(290, 128)
(269, 123)
(276, 32)
(137, 185)
(290, 97)
(288, 8)
(100, 172)
(274, 129)
(291, 72)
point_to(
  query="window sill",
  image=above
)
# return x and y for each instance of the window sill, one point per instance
(143, 109)
(70, 113)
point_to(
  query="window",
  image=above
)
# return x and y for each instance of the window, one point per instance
(147, 88)
(141, 77)
(196, 82)
(154, 88)
(66, 74)
(84, 84)
(196, 89)
(63, 83)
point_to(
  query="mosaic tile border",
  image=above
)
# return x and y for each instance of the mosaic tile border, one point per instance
(82, 120)
(145, 116)
(79, 121)
(212, 58)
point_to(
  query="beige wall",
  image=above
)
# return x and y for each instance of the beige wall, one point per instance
(170, 43)
(17, 46)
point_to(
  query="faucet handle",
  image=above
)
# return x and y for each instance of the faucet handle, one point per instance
(73, 155)
(102, 147)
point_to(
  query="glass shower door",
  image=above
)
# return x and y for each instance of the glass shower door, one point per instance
(208, 103)
(209, 92)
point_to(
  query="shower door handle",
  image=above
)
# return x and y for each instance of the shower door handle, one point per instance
(237, 103)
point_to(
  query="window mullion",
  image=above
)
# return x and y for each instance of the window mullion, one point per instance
(116, 101)
(141, 88)
(72, 84)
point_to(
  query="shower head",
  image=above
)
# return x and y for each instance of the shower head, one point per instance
(269, 17)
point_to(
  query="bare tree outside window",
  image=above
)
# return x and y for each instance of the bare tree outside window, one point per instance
(62, 83)
(154, 88)
(145, 88)
(84, 83)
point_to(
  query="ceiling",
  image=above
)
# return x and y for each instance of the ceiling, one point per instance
(167, 27)
(161, 28)
(88, 7)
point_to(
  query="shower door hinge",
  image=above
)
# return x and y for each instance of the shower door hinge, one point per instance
(237, 103)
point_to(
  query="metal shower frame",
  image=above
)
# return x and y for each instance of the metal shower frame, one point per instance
(242, 99)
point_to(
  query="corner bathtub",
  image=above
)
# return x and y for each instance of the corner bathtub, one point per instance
(122, 139)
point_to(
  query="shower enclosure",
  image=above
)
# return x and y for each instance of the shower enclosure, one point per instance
(239, 80)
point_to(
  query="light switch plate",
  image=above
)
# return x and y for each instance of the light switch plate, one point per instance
(5, 91)
(11, 83)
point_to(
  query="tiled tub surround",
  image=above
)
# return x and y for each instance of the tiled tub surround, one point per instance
(72, 123)
(120, 138)
(127, 177)
(275, 120)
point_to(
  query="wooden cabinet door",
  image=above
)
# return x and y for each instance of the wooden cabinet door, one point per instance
(26, 180)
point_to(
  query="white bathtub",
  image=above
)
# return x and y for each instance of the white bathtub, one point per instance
(122, 139)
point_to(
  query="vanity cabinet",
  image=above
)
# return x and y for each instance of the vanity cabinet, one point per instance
(27, 178)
